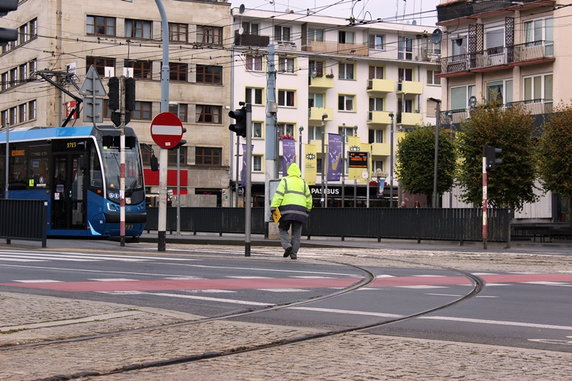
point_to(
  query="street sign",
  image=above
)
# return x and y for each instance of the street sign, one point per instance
(166, 130)
(92, 86)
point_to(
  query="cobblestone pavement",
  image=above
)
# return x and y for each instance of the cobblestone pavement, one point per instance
(352, 356)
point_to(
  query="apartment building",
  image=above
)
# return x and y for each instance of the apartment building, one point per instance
(62, 39)
(333, 76)
(514, 52)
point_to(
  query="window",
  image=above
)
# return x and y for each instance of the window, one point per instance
(316, 68)
(13, 77)
(257, 163)
(23, 34)
(538, 30)
(458, 46)
(346, 37)
(178, 71)
(209, 35)
(404, 48)
(345, 132)
(377, 166)
(178, 32)
(32, 66)
(346, 71)
(22, 73)
(460, 96)
(405, 105)
(103, 65)
(285, 64)
(404, 74)
(22, 112)
(315, 133)
(210, 156)
(376, 72)
(208, 114)
(494, 40)
(285, 129)
(141, 69)
(345, 102)
(172, 156)
(316, 100)
(138, 29)
(143, 111)
(432, 77)
(281, 33)
(377, 41)
(33, 29)
(253, 96)
(209, 74)
(538, 88)
(100, 26)
(499, 91)
(250, 28)
(375, 104)
(32, 110)
(375, 136)
(256, 129)
(286, 98)
(181, 110)
(315, 34)
(5, 81)
(253, 62)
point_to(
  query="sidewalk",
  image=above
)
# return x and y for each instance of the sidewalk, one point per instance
(356, 356)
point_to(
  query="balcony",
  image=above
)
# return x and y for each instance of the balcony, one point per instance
(316, 114)
(410, 88)
(321, 83)
(336, 48)
(498, 58)
(410, 118)
(378, 117)
(380, 149)
(246, 39)
(380, 86)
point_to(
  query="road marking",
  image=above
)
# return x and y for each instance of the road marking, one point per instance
(113, 280)
(460, 296)
(420, 287)
(206, 298)
(7, 259)
(248, 277)
(37, 281)
(548, 283)
(283, 290)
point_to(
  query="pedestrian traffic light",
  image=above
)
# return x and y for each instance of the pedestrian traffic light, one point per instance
(492, 156)
(113, 93)
(181, 143)
(8, 35)
(239, 127)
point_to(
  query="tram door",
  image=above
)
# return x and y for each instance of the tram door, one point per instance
(68, 192)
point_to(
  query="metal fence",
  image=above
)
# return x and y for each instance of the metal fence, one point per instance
(23, 219)
(458, 224)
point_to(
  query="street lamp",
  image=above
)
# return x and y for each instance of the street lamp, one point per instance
(391, 115)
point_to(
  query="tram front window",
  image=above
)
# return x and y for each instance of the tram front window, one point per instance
(133, 174)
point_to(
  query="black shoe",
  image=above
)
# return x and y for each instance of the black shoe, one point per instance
(293, 256)
(288, 252)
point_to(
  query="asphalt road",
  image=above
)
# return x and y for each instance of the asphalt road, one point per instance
(526, 309)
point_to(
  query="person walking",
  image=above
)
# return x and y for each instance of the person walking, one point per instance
(294, 202)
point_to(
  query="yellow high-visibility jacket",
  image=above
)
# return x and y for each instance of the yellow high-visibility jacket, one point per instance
(293, 197)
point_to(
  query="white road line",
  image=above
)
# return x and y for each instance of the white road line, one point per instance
(183, 278)
(247, 277)
(206, 298)
(459, 296)
(548, 283)
(215, 291)
(421, 286)
(113, 280)
(310, 277)
(37, 281)
(282, 289)
(8, 259)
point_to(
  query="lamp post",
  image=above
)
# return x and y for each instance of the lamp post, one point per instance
(436, 155)
(300, 147)
(391, 115)
(323, 192)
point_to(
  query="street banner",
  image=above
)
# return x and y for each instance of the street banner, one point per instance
(334, 156)
(288, 154)
(243, 170)
(310, 164)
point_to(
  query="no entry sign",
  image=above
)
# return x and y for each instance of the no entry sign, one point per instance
(166, 130)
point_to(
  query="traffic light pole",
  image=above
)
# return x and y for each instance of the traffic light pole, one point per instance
(247, 191)
(122, 162)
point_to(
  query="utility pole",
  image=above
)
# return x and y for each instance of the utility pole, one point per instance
(391, 115)
(271, 172)
(323, 190)
(436, 155)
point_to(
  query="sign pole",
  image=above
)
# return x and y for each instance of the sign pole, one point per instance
(122, 162)
(485, 202)
(248, 191)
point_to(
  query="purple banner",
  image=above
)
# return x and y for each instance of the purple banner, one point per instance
(334, 157)
(288, 154)
(243, 170)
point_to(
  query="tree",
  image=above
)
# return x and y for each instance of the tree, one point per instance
(510, 184)
(555, 153)
(416, 159)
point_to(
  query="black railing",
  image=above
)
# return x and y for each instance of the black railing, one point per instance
(458, 224)
(23, 219)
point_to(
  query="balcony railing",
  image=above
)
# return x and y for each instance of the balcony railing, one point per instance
(534, 106)
(336, 48)
(246, 39)
(500, 56)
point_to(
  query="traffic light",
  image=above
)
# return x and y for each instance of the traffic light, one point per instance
(181, 143)
(492, 156)
(8, 35)
(129, 94)
(113, 93)
(239, 127)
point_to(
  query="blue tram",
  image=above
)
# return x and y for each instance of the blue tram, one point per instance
(77, 170)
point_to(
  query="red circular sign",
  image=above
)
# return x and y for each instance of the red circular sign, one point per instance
(166, 130)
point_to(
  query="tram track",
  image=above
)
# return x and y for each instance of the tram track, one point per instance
(367, 279)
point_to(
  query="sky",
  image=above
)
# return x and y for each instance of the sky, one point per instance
(422, 11)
